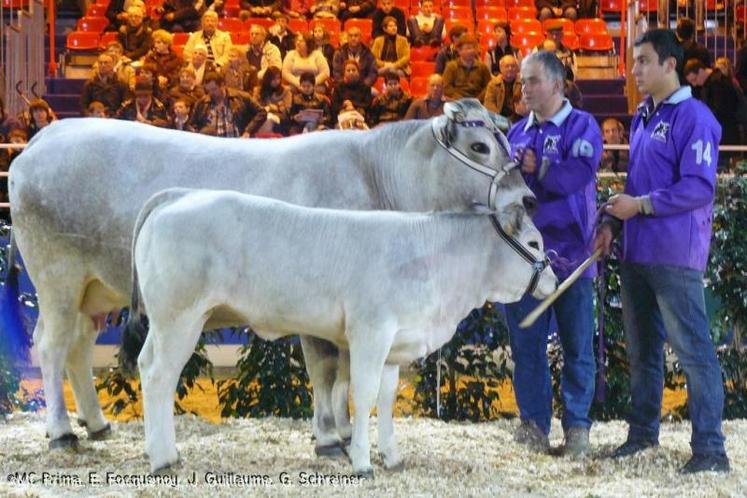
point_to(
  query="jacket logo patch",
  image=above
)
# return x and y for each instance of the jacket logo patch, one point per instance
(660, 131)
(551, 144)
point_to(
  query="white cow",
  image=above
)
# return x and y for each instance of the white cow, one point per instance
(77, 188)
(389, 287)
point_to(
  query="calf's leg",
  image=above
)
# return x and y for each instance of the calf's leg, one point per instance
(385, 413)
(340, 397)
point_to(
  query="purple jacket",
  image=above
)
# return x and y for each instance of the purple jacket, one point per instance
(568, 149)
(673, 157)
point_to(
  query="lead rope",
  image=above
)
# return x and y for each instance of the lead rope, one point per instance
(438, 385)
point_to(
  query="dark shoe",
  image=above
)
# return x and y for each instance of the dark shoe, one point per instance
(706, 463)
(530, 435)
(576, 442)
(631, 447)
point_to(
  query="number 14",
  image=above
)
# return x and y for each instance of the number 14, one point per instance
(701, 154)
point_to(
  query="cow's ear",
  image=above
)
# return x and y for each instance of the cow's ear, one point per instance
(500, 121)
(480, 208)
(454, 111)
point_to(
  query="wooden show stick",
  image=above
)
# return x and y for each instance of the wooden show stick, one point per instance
(532, 317)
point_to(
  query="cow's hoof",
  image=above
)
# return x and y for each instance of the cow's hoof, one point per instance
(65, 442)
(395, 467)
(166, 470)
(334, 450)
(101, 434)
(82, 423)
(365, 473)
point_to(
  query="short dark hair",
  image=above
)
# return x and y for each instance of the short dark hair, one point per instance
(391, 76)
(552, 65)
(665, 44)
(693, 66)
(456, 31)
(212, 76)
(685, 28)
(307, 77)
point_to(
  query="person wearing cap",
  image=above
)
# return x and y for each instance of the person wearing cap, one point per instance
(665, 215)
(556, 8)
(502, 32)
(144, 107)
(466, 76)
(216, 41)
(566, 55)
(558, 149)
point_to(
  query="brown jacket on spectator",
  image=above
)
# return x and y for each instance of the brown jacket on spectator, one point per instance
(402, 47)
(461, 81)
(496, 98)
(386, 109)
(109, 91)
(136, 42)
(167, 65)
(157, 114)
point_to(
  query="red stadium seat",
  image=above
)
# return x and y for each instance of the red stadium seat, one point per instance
(107, 37)
(96, 10)
(83, 40)
(741, 15)
(298, 25)
(595, 42)
(570, 40)
(525, 25)
(520, 3)
(267, 135)
(262, 21)
(456, 3)
(403, 4)
(180, 38)
(422, 68)
(485, 27)
(457, 12)
(240, 37)
(498, 4)
(487, 42)
(15, 4)
(365, 25)
(648, 5)
(449, 23)
(567, 24)
(493, 13)
(588, 26)
(522, 13)
(230, 24)
(526, 42)
(419, 86)
(331, 27)
(93, 24)
(715, 5)
(425, 53)
(611, 6)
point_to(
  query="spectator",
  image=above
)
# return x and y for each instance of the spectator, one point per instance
(275, 99)
(187, 90)
(693, 50)
(322, 42)
(722, 97)
(39, 115)
(7, 122)
(391, 50)
(502, 32)
(311, 110)
(180, 16)
(217, 42)
(426, 27)
(388, 9)
(392, 104)
(466, 76)
(238, 73)
(356, 9)
(572, 92)
(224, 112)
(556, 8)
(565, 54)
(351, 89)
(166, 62)
(613, 132)
(104, 86)
(144, 107)
(96, 110)
(356, 50)
(350, 118)
(521, 110)
(200, 63)
(135, 37)
(122, 68)
(741, 66)
(259, 8)
(448, 52)
(297, 9)
(280, 35)
(304, 59)
(262, 54)
(16, 136)
(499, 95)
(724, 65)
(179, 119)
(432, 104)
(116, 12)
(325, 9)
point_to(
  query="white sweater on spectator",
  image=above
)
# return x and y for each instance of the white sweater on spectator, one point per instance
(294, 65)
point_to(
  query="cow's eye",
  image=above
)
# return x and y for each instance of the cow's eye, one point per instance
(480, 148)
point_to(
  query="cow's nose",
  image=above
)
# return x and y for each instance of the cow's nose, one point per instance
(530, 204)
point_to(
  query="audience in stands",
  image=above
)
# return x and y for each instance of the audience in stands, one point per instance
(356, 50)
(390, 105)
(502, 33)
(216, 41)
(7, 122)
(259, 8)
(116, 12)
(275, 99)
(499, 95)
(391, 50)
(448, 52)
(426, 27)
(565, 54)
(741, 66)
(325, 9)
(724, 65)
(350, 118)
(179, 118)
(548, 9)
(351, 89)
(179, 16)
(238, 73)
(304, 59)
(311, 110)
(356, 9)
(521, 110)
(297, 9)
(144, 107)
(261, 53)
(722, 97)
(122, 68)
(39, 115)
(96, 110)
(200, 63)
(225, 112)
(187, 90)
(15, 136)
(166, 62)
(385, 9)
(685, 32)
(432, 104)
(613, 133)
(104, 86)
(466, 76)
(322, 42)
(135, 36)
(280, 36)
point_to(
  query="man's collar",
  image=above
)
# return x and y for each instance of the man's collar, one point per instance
(557, 119)
(646, 108)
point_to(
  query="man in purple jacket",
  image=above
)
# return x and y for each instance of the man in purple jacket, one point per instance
(666, 213)
(558, 148)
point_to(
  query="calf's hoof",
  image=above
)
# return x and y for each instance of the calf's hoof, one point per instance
(367, 473)
(165, 470)
(100, 434)
(334, 450)
(65, 442)
(82, 423)
(398, 466)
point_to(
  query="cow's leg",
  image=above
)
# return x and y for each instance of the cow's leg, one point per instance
(340, 397)
(169, 345)
(321, 364)
(368, 350)
(385, 413)
(79, 368)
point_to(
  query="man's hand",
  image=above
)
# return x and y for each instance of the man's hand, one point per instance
(528, 161)
(623, 206)
(603, 239)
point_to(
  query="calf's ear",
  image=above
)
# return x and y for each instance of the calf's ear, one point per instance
(454, 111)
(480, 208)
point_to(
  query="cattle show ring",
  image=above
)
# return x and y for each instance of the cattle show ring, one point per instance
(220, 317)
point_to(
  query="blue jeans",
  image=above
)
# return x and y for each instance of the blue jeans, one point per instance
(661, 303)
(574, 313)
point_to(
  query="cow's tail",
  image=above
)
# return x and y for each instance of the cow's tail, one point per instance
(136, 329)
(15, 340)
